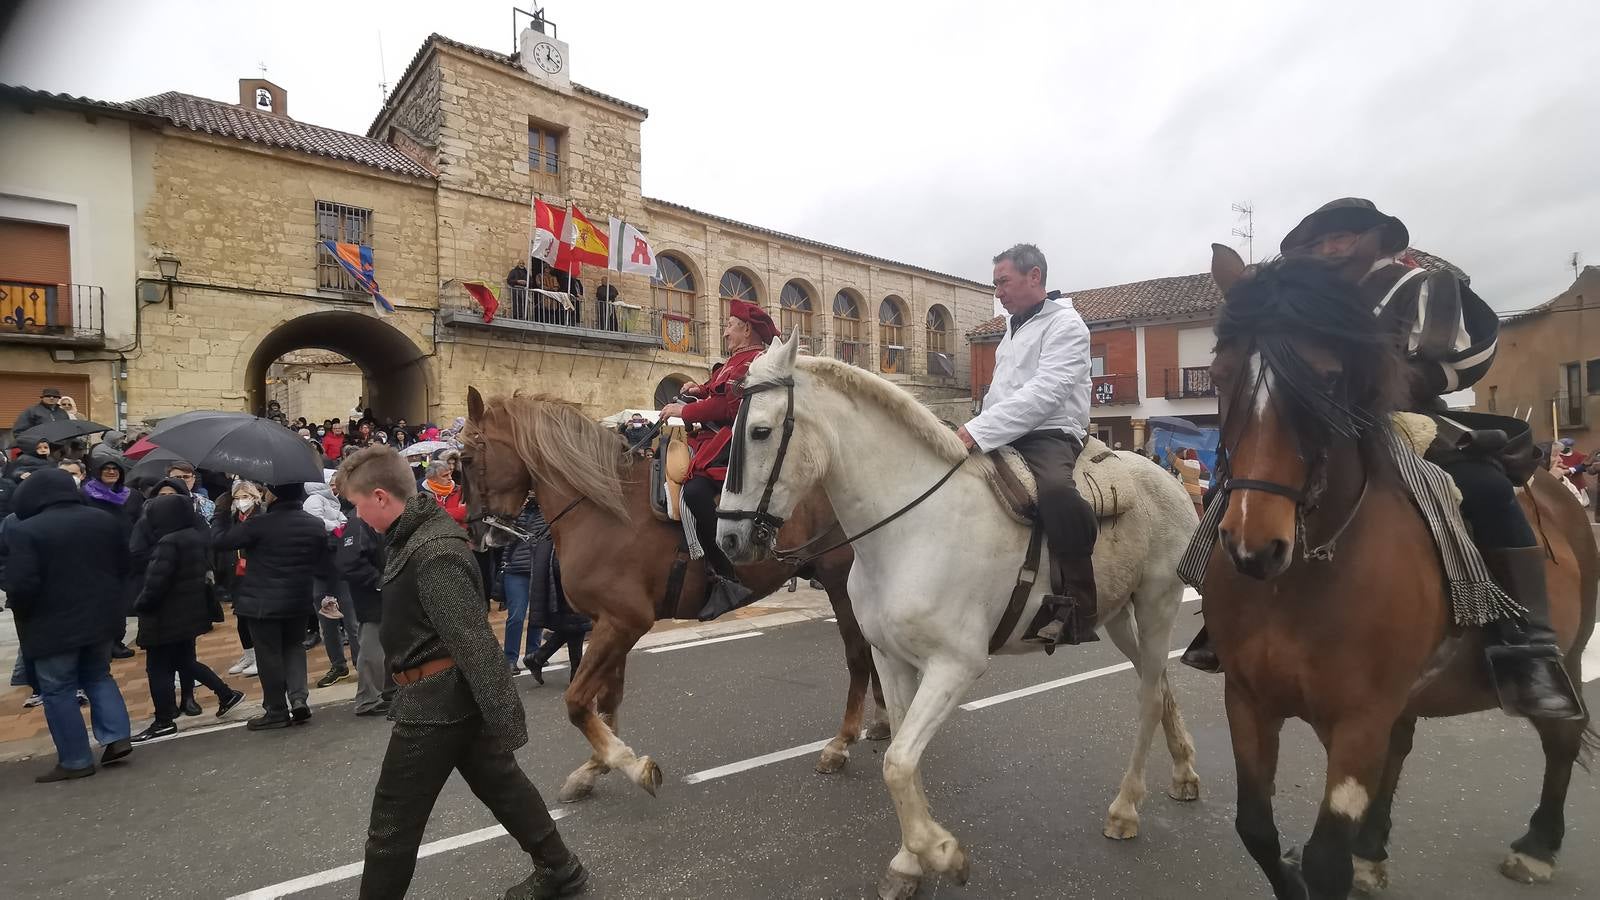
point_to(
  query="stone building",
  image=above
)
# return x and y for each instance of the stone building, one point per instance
(236, 197)
(1547, 365)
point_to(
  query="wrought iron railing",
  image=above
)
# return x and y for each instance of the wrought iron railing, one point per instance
(852, 352)
(585, 316)
(1569, 411)
(1188, 381)
(1115, 390)
(76, 311)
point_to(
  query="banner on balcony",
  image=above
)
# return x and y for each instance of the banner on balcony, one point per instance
(356, 259)
(630, 252)
(676, 333)
(486, 296)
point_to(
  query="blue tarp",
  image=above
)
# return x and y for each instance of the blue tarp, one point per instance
(1204, 444)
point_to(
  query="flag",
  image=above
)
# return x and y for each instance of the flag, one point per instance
(630, 252)
(548, 225)
(587, 245)
(486, 295)
(357, 260)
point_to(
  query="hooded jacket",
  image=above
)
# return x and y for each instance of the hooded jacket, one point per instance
(360, 560)
(65, 568)
(287, 548)
(321, 502)
(173, 606)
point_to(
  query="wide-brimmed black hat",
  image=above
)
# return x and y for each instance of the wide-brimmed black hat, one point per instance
(1348, 214)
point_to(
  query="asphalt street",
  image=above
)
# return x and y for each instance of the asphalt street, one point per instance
(1024, 784)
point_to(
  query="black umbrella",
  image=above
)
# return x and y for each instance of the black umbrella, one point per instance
(56, 432)
(244, 445)
(152, 467)
(1175, 424)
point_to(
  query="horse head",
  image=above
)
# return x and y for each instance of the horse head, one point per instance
(1303, 371)
(494, 482)
(772, 459)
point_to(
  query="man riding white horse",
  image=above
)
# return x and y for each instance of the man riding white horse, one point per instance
(1451, 335)
(1038, 403)
(748, 332)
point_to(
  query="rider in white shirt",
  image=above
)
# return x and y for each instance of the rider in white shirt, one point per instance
(1038, 402)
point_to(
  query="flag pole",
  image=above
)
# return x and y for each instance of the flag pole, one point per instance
(527, 287)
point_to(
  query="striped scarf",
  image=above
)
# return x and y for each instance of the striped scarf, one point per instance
(1475, 599)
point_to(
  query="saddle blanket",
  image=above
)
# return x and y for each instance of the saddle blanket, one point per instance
(1106, 478)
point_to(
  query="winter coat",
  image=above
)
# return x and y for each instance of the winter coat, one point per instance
(321, 502)
(38, 414)
(716, 409)
(452, 503)
(332, 445)
(126, 512)
(561, 617)
(360, 561)
(173, 604)
(519, 556)
(286, 549)
(65, 566)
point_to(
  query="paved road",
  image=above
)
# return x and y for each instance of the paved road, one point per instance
(1024, 783)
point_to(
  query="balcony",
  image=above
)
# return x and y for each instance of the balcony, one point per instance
(1570, 412)
(852, 352)
(1188, 382)
(1115, 390)
(71, 315)
(615, 322)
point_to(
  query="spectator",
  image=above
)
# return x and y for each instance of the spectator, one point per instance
(336, 608)
(363, 436)
(174, 608)
(106, 491)
(242, 500)
(1574, 463)
(333, 441)
(635, 430)
(73, 467)
(286, 548)
(48, 409)
(70, 407)
(184, 472)
(65, 565)
(360, 559)
(142, 545)
(567, 627)
(525, 573)
(517, 282)
(440, 483)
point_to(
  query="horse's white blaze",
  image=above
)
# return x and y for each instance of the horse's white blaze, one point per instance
(1349, 799)
(1261, 399)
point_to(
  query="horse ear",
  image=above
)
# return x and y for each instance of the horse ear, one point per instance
(1227, 268)
(1366, 252)
(788, 350)
(474, 404)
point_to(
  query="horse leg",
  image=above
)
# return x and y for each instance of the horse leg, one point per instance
(1255, 757)
(879, 729)
(1122, 819)
(1156, 613)
(1185, 780)
(1372, 838)
(601, 674)
(1533, 856)
(944, 682)
(858, 659)
(1357, 749)
(898, 682)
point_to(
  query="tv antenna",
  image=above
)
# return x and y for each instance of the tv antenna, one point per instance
(1575, 263)
(383, 75)
(1247, 212)
(263, 67)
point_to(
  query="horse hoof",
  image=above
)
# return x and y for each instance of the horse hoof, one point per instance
(896, 886)
(646, 774)
(1120, 828)
(1522, 868)
(575, 789)
(877, 731)
(1371, 876)
(1185, 788)
(832, 761)
(950, 858)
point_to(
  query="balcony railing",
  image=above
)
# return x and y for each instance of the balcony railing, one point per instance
(52, 313)
(941, 365)
(1187, 382)
(1569, 411)
(893, 360)
(582, 317)
(1115, 390)
(852, 352)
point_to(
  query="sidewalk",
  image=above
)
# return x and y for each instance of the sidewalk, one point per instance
(23, 732)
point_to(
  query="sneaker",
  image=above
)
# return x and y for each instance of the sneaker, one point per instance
(229, 702)
(190, 707)
(33, 701)
(83, 699)
(250, 670)
(157, 729)
(333, 677)
(301, 714)
(248, 659)
(312, 639)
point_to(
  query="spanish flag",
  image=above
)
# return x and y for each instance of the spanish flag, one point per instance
(356, 259)
(582, 243)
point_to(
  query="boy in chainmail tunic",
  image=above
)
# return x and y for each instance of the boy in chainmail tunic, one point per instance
(456, 709)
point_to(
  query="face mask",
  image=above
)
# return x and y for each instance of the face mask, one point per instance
(244, 505)
(77, 480)
(321, 433)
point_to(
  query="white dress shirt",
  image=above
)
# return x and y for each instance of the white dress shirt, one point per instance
(1041, 379)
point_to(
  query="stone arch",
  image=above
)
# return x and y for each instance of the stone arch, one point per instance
(394, 369)
(893, 315)
(851, 324)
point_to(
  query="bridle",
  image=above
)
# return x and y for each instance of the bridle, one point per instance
(765, 527)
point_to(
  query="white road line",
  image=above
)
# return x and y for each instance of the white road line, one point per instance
(192, 732)
(1019, 693)
(830, 619)
(716, 640)
(754, 762)
(1190, 595)
(555, 668)
(317, 879)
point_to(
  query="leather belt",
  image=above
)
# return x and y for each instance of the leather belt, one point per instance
(431, 667)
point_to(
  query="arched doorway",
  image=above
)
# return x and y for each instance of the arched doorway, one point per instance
(393, 369)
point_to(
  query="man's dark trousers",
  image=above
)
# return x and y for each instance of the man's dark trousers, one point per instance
(418, 763)
(1068, 519)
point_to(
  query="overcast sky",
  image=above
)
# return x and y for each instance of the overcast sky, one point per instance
(1116, 136)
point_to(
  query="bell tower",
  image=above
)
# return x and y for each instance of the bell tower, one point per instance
(541, 52)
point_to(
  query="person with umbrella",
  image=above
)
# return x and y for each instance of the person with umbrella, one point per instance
(106, 490)
(48, 409)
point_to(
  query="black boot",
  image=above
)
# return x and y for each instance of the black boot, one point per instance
(1201, 656)
(1069, 618)
(724, 592)
(547, 884)
(1523, 657)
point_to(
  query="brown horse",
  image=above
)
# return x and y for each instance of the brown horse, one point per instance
(616, 559)
(1363, 644)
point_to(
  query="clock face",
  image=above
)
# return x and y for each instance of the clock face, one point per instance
(548, 56)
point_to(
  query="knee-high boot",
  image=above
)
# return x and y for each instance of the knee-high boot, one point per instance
(1068, 618)
(1523, 656)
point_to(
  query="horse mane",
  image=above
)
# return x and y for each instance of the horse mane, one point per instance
(561, 445)
(898, 404)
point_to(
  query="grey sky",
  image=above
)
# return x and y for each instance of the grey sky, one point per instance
(1116, 136)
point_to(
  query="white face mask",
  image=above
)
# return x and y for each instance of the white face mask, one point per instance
(77, 480)
(244, 505)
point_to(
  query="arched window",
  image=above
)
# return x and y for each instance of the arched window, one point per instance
(673, 291)
(735, 285)
(795, 311)
(892, 335)
(941, 358)
(847, 332)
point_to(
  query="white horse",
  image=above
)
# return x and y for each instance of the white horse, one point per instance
(930, 588)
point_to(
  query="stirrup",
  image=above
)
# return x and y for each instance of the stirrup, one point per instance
(723, 595)
(1057, 623)
(1532, 683)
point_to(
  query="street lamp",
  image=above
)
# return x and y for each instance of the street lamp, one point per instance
(168, 264)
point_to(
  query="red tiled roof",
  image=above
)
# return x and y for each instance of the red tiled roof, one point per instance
(1157, 298)
(228, 120)
(30, 96)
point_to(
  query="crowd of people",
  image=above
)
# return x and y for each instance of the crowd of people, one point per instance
(85, 546)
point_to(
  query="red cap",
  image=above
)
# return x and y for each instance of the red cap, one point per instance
(756, 317)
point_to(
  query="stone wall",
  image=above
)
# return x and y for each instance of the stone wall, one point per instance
(417, 112)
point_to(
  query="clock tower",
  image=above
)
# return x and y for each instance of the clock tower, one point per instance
(543, 55)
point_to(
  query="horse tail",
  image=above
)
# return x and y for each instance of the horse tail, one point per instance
(1589, 745)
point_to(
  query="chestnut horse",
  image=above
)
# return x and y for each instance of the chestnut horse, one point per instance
(616, 557)
(1363, 644)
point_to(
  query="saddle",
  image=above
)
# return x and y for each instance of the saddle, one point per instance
(1105, 477)
(668, 471)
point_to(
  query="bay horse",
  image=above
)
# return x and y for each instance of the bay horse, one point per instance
(616, 557)
(931, 586)
(1363, 644)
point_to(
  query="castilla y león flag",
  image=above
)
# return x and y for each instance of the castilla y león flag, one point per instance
(583, 243)
(548, 224)
(356, 259)
(630, 252)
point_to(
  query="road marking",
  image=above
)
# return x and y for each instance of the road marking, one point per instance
(555, 668)
(754, 762)
(716, 640)
(329, 876)
(1190, 595)
(191, 732)
(1019, 693)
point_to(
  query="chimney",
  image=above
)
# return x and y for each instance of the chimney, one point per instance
(262, 95)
